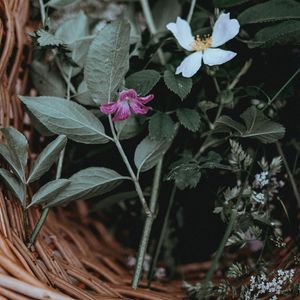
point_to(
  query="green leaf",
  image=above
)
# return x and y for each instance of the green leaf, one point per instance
(107, 61)
(178, 84)
(18, 148)
(260, 127)
(270, 11)
(114, 199)
(88, 183)
(73, 29)
(66, 117)
(60, 3)
(84, 96)
(189, 118)
(14, 185)
(45, 38)
(161, 126)
(143, 81)
(170, 8)
(49, 191)
(229, 3)
(149, 152)
(128, 128)
(285, 33)
(47, 158)
(47, 82)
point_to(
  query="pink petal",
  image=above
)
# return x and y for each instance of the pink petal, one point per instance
(109, 108)
(139, 108)
(123, 112)
(131, 94)
(145, 99)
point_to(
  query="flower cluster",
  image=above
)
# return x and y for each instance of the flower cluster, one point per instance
(260, 285)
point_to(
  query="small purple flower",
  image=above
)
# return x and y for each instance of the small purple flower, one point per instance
(127, 103)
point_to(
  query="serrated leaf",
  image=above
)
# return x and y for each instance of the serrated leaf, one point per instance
(128, 128)
(18, 189)
(178, 84)
(60, 3)
(143, 81)
(285, 33)
(63, 116)
(149, 152)
(107, 61)
(18, 148)
(161, 126)
(47, 158)
(270, 11)
(49, 191)
(88, 183)
(45, 38)
(189, 118)
(47, 82)
(229, 3)
(260, 127)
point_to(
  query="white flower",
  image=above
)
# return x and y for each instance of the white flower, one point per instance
(204, 48)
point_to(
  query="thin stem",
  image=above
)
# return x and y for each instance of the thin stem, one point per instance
(152, 27)
(162, 236)
(147, 227)
(216, 259)
(42, 9)
(192, 7)
(129, 168)
(289, 172)
(281, 89)
(45, 211)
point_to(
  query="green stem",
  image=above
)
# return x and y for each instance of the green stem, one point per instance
(289, 172)
(129, 168)
(152, 27)
(242, 72)
(162, 236)
(147, 227)
(219, 252)
(42, 9)
(45, 211)
(192, 7)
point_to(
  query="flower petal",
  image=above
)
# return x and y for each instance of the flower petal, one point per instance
(224, 30)
(138, 108)
(190, 65)
(131, 94)
(123, 112)
(145, 99)
(182, 32)
(109, 108)
(214, 57)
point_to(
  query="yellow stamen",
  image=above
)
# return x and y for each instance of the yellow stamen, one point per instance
(201, 44)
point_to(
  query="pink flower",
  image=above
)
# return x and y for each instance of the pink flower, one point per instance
(127, 103)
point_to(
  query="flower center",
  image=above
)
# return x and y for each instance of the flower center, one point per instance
(201, 44)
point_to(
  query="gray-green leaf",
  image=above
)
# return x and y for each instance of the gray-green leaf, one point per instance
(128, 128)
(47, 158)
(88, 183)
(60, 3)
(274, 10)
(14, 185)
(49, 191)
(161, 126)
(189, 118)
(62, 116)
(107, 61)
(143, 81)
(149, 152)
(178, 84)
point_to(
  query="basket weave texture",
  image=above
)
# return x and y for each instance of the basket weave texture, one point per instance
(73, 258)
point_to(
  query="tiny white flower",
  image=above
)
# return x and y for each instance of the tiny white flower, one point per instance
(204, 48)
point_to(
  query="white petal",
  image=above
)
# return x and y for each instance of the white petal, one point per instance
(182, 32)
(190, 65)
(224, 30)
(214, 57)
